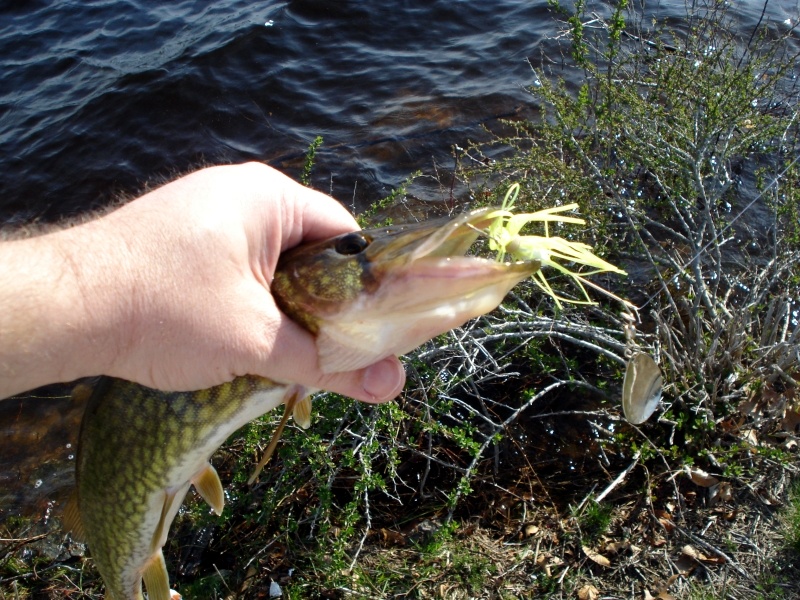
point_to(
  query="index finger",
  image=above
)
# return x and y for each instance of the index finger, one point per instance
(319, 216)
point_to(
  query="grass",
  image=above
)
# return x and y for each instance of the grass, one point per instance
(466, 487)
(792, 516)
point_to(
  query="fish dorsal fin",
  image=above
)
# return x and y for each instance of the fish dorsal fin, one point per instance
(302, 412)
(208, 485)
(71, 519)
(156, 578)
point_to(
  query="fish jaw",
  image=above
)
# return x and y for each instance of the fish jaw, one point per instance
(376, 293)
(414, 304)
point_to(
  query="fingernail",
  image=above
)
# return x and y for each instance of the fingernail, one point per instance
(384, 380)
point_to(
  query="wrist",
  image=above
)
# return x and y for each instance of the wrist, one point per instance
(57, 321)
(97, 298)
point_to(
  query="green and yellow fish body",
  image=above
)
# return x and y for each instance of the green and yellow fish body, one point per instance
(140, 451)
(364, 295)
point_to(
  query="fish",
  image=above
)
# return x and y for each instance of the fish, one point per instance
(364, 295)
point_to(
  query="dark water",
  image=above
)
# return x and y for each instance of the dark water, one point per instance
(98, 97)
(101, 96)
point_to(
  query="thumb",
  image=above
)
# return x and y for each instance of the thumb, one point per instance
(377, 383)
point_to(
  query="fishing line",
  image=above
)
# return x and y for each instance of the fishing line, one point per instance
(726, 227)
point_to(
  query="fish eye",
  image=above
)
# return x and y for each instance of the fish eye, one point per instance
(352, 243)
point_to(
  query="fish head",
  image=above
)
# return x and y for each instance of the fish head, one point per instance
(379, 292)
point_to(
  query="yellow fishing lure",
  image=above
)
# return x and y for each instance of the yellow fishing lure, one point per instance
(505, 239)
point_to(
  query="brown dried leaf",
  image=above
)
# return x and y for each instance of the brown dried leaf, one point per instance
(388, 537)
(551, 537)
(771, 398)
(730, 515)
(732, 424)
(688, 560)
(720, 493)
(249, 578)
(531, 530)
(596, 557)
(665, 519)
(750, 407)
(658, 542)
(685, 564)
(541, 559)
(617, 547)
(750, 436)
(700, 477)
(588, 592)
(691, 552)
(791, 421)
(767, 497)
(662, 595)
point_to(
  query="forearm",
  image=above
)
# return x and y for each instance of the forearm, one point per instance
(54, 323)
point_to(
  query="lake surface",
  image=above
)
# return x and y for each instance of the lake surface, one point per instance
(99, 97)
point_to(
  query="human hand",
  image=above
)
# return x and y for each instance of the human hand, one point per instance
(173, 288)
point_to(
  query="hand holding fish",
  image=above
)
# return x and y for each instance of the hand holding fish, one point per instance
(172, 291)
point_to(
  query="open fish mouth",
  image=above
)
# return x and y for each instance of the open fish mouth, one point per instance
(396, 287)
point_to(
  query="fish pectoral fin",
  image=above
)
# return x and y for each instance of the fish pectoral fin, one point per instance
(71, 519)
(302, 412)
(208, 485)
(168, 511)
(156, 579)
(296, 395)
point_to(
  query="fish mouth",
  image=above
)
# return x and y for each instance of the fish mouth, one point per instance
(436, 251)
(425, 285)
(430, 259)
(444, 238)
